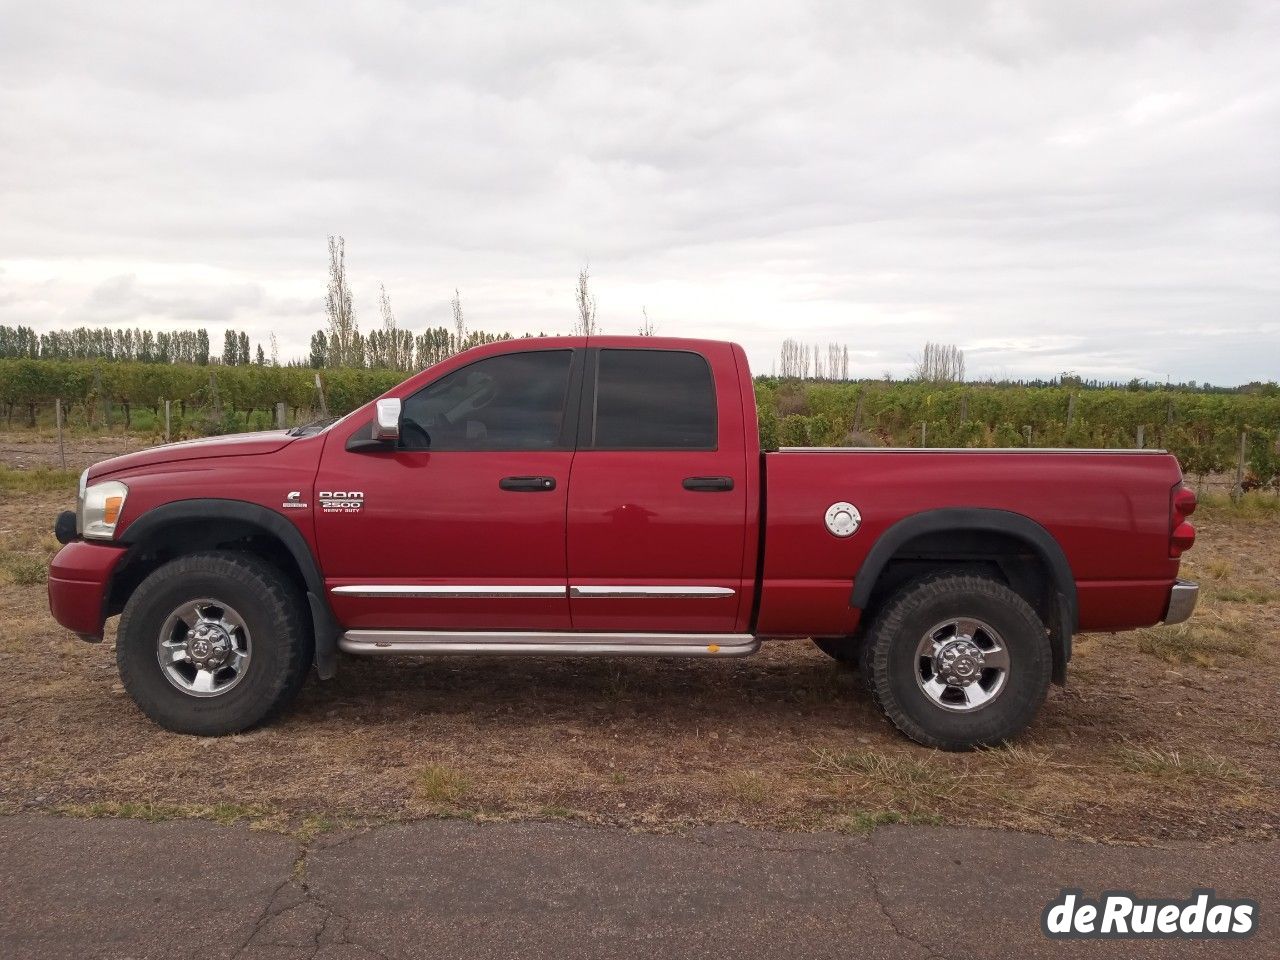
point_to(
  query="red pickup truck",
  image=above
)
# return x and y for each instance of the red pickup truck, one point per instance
(608, 495)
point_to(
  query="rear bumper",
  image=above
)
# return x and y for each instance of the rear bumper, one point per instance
(1182, 600)
(79, 580)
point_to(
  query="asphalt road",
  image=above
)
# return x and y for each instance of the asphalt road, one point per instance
(451, 889)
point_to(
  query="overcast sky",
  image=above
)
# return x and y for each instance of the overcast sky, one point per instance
(1085, 186)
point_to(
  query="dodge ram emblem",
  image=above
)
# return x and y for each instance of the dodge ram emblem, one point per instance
(843, 519)
(341, 501)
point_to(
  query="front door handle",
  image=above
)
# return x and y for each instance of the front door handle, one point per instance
(527, 484)
(708, 484)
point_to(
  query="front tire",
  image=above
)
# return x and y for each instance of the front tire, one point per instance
(957, 662)
(213, 643)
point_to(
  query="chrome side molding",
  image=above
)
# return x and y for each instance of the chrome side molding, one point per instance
(498, 591)
(449, 591)
(648, 593)
(502, 643)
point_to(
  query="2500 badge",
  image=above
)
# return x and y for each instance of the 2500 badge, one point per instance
(341, 501)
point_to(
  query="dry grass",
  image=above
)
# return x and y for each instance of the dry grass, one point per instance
(925, 774)
(25, 555)
(1244, 594)
(1015, 757)
(1218, 569)
(39, 480)
(1157, 762)
(748, 786)
(1257, 505)
(914, 784)
(784, 739)
(23, 569)
(1202, 640)
(437, 783)
(864, 821)
(224, 813)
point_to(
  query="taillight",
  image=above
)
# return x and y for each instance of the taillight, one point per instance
(1182, 534)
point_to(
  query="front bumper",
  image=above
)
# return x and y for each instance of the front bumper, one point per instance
(1182, 600)
(79, 582)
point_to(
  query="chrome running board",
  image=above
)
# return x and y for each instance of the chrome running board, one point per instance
(383, 642)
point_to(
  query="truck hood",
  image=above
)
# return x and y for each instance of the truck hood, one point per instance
(233, 445)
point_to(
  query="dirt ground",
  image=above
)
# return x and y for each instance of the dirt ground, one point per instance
(28, 449)
(1161, 735)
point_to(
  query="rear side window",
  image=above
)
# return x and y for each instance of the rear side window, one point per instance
(654, 400)
(514, 401)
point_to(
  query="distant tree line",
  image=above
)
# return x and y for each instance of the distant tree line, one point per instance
(801, 361)
(940, 363)
(102, 343)
(341, 345)
(378, 350)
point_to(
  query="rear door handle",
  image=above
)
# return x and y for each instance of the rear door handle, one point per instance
(527, 484)
(708, 484)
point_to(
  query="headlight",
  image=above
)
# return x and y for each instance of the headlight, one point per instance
(84, 483)
(100, 509)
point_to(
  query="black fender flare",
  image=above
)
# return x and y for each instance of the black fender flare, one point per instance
(215, 510)
(990, 520)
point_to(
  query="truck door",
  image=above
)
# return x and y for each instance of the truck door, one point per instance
(462, 525)
(657, 499)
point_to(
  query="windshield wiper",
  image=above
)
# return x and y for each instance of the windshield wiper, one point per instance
(315, 426)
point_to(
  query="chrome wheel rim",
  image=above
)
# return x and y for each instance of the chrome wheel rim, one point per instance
(962, 664)
(204, 648)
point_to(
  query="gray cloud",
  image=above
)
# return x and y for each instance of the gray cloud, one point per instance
(121, 300)
(1086, 186)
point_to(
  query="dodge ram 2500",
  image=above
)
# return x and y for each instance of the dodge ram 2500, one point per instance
(608, 496)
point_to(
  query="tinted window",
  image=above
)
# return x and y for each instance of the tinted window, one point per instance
(654, 399)
(511, 402)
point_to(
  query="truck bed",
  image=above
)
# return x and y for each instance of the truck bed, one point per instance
(1107, 509)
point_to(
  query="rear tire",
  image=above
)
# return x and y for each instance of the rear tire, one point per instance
(917, 643)
(257, 654)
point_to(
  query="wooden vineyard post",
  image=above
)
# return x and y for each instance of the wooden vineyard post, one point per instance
(57, 412)
(324, 407)
(1237, 489)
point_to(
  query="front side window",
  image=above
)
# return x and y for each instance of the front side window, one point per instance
(654, 400)
(515, 401)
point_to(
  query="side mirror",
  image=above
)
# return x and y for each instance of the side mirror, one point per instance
(386, 425)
